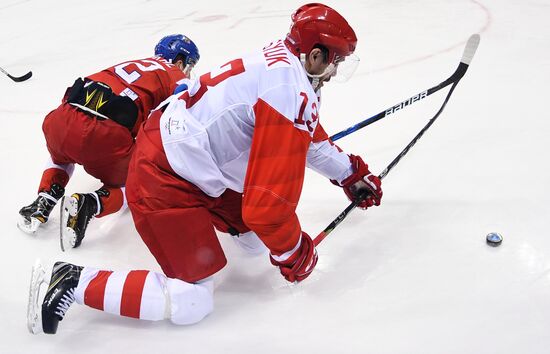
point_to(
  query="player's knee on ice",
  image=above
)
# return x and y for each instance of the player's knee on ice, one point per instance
(189, 303)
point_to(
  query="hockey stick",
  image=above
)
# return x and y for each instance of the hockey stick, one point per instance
(469, 51)
(18, 78)
(455, 77)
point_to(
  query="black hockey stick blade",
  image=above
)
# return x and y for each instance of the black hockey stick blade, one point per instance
(17, 78)
(21, 78)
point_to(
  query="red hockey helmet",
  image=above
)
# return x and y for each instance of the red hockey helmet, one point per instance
(316, 23)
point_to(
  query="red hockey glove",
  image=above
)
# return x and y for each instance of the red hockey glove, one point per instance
(362, 181)
(300, 263)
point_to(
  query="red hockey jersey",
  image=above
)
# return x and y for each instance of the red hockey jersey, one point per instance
(146, 81)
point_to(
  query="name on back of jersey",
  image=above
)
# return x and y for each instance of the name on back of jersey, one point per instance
(276, 55)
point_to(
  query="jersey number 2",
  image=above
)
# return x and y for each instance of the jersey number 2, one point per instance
(142, 65)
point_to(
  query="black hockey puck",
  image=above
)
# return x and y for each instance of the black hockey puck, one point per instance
(494, 239)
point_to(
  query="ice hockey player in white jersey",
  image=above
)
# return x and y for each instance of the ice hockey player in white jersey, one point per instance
(229, 154)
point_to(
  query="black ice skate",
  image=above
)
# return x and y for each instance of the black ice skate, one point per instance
(37, 213)
(59, 296)
(76, 212)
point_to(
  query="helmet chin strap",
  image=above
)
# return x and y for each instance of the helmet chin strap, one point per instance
(315, 79)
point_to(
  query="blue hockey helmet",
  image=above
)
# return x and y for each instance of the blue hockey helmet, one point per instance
(170, 46)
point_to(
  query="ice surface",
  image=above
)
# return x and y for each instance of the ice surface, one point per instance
(411, 276)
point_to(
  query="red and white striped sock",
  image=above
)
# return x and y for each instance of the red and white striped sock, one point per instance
(145, 295)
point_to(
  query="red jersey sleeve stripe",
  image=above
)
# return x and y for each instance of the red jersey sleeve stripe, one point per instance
(274, 178)
(320, 135)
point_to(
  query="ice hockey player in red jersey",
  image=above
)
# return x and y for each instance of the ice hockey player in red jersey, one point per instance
(95, 126)
(228, 154)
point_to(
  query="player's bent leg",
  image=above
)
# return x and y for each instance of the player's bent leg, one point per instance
(38, 212)
(182, 240)
(77, 211)
(250, 243)
(56, 173)
(139, 294)
(114, 144)
(227, 217)
(80, 208)
(190, 302)
(112, 199)
(145, 295)
(51, 189)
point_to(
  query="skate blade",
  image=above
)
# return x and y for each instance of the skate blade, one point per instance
(67, 236)
(34, 314)
(28, 227)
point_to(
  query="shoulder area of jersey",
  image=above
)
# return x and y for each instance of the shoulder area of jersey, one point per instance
(161, 60)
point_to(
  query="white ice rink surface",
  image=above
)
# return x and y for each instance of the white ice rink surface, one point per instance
(411, 276)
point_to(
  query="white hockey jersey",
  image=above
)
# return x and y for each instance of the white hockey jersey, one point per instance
(251, 125)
